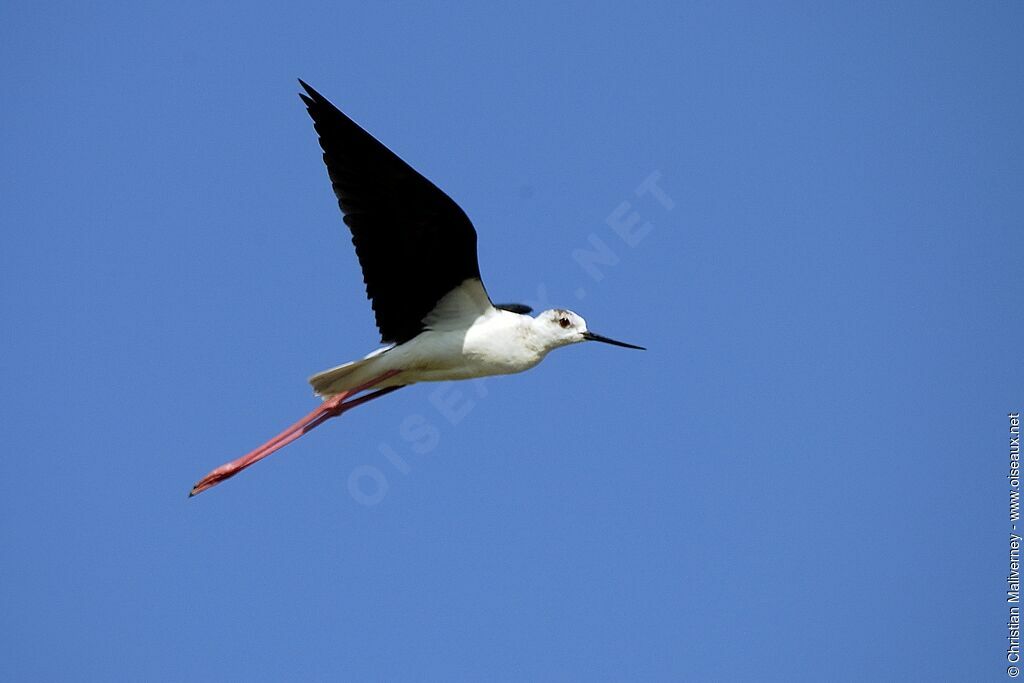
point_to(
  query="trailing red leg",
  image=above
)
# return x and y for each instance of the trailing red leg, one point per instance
(332, 407)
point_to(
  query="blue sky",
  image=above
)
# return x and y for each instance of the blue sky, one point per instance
(802, 479)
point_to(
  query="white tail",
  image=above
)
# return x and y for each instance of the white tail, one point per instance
(344, 377)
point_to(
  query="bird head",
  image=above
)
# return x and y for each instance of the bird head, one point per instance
(559, 327)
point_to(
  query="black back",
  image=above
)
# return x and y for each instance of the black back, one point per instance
(522, 309)
(413, 242)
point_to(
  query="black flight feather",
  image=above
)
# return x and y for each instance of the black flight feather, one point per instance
(413, 242)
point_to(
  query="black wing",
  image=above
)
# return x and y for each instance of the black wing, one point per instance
(515, 308)
(413, 242)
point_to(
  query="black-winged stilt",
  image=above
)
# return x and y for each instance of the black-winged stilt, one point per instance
(417, 250)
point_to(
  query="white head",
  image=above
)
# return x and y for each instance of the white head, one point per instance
(559, 327)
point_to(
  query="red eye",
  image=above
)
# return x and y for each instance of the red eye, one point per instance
(564, 322)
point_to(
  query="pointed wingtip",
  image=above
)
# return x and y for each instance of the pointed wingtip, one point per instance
(311, 98)
(309, 91)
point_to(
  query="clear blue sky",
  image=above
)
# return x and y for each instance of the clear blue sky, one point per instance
(802, 479)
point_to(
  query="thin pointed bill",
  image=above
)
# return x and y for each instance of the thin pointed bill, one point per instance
(590, 336)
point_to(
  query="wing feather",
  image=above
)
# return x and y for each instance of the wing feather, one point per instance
(414, 243)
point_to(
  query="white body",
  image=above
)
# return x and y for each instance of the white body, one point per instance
(466, 337)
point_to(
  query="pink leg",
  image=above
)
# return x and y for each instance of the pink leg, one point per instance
(332, 407)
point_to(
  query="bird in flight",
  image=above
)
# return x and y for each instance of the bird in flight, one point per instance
(417, 250)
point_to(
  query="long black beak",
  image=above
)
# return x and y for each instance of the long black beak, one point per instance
(590, 336)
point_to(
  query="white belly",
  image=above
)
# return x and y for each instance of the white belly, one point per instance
(494, 346)
(497, 343)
